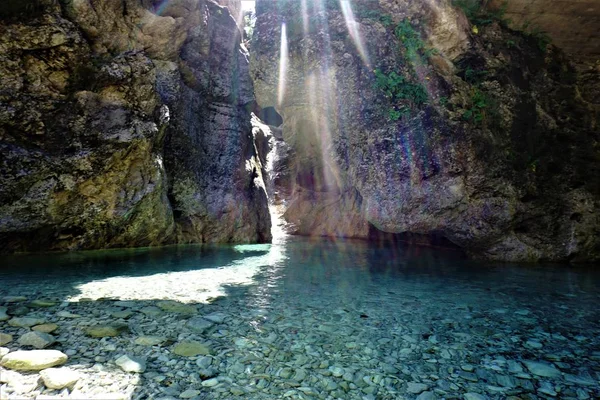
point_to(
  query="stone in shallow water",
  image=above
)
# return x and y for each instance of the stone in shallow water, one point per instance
(188, 394)
(416, 388)
(33, 360)
(426, 396)
(39, 340)
(542, 369)
(199, 324)
(152, 311)
(46, 328)
(5, 338)
(217, 317)
(66, 314)
(100, 331)
(14, 299)
(150, 340)
(176, 307)
(131, 364)
(3, 315)
(474, 396)
(191, 349)
(122, 314)
(42, 303)
(25, 322)
(59, 378)
(210, 382)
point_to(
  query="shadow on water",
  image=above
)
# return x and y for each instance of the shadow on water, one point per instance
(381, 284)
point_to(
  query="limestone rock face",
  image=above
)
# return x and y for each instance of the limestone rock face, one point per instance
(403, 117)
(124, 124)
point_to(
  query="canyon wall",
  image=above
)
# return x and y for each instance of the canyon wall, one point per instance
(404, 117)
(125, 123)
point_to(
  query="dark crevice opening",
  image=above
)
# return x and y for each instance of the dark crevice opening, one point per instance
(270, 116)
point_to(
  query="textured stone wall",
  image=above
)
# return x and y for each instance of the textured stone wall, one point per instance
(573, 25)
(125, 123)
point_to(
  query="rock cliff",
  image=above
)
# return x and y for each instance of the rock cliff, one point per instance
(407, 117)
(125, 123)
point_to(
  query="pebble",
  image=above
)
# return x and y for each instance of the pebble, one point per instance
(210, 382)
(3, 315)
(474, 396)
(39, 340)
(416, 388)
(131, 364)
(541, 369)
(191, 349)
(33, 360)
(46, 328)
(25, 322)
(199, 324)
(101, 331)
(5, 338)
(426, 396)
(150, 340)
(59, 378)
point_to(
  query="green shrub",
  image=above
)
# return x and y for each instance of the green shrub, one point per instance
(403, 93)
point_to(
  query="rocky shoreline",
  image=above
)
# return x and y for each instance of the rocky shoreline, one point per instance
(125, 349)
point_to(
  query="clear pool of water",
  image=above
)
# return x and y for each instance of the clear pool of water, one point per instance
(390, 315)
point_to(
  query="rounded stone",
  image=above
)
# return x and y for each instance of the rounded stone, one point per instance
(39, 340)
(33, 360)
(59, 378)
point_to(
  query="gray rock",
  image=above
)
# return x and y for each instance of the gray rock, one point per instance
(150, 340)
(199, 324)
(416, 388)
(39, 340)
(210, 382)
(427, 396)
(217, 317)
(474, 396)
(3, 315)
(188, 394)
(25, 322)
(131, 364)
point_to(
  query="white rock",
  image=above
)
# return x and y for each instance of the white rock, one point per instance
(59, 378)
(33, 360)
(131, 364)
(210, 382)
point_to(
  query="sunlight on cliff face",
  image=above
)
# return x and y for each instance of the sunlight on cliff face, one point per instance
(354, 31)
(283, 65)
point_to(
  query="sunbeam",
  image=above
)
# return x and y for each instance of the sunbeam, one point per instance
(283, 65)
(354, 32)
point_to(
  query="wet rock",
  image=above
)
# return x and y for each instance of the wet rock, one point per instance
(42, 303)
(3, 315)
(541, 369)
(14, 299)
(427, 396)
(150, 340)
(188, 394)
(416, 388)
(5, 338)
(191, 349)
(131, 364)
(59, 378)
(25, 322)
(176, 307)
(46, 328)
(216, 317)
(39, 340)
(33, 360)
(199, 324)
(474, 396)
(210, 382)
(100, 331)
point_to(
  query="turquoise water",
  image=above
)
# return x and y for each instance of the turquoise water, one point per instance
(391, 316)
